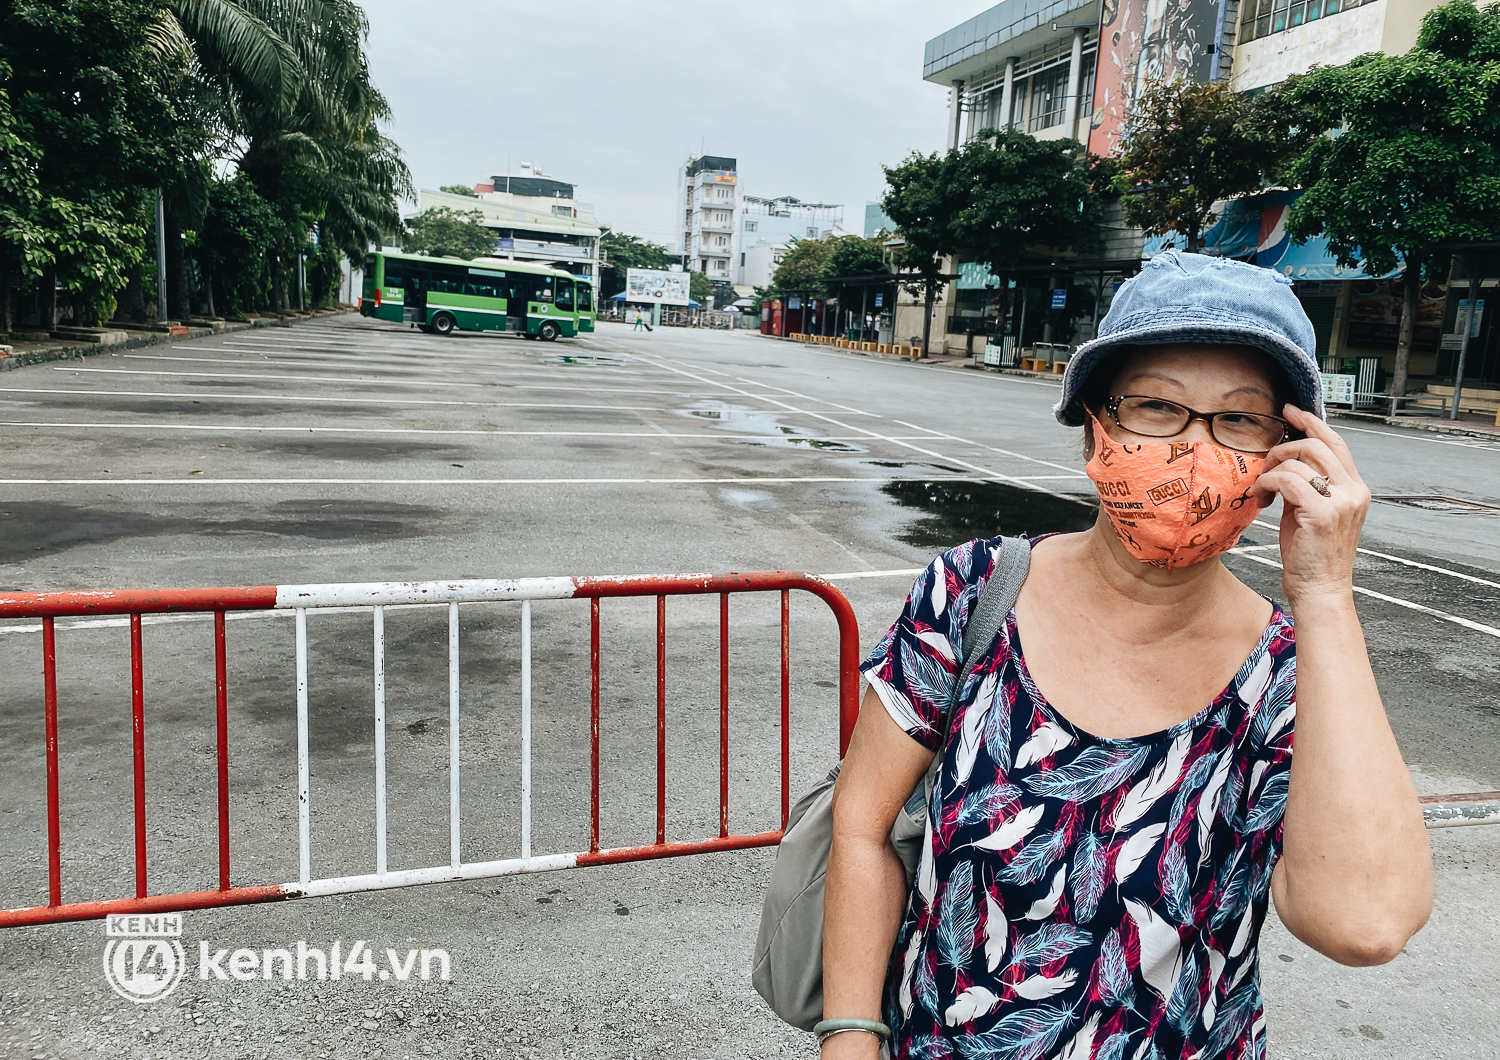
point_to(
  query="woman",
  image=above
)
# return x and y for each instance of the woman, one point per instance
(1118, 800)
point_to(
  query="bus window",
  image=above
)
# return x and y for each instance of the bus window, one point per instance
(565, 295)
(483, 290)
(585, 298)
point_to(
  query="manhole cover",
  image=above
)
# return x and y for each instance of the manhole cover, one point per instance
(1434, 503)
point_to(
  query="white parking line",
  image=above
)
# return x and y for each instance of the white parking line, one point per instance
(209, 396)
(985, 472)
(247, 428)
(684, 480)
(1457, 620)
(1397, 559)
(355, 382)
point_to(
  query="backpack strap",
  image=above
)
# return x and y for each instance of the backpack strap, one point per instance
(991, 609)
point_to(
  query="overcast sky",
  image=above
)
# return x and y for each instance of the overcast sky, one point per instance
(810, 95)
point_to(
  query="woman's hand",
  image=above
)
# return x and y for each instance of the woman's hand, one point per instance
(1319, 535)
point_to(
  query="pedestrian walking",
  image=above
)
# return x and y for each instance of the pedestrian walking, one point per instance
(1116, 799)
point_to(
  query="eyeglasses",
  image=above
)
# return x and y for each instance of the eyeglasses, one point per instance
(1152, 417)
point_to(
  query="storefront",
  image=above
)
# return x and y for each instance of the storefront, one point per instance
(1356, 314)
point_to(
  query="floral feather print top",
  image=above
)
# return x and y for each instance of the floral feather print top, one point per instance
(1081, 898)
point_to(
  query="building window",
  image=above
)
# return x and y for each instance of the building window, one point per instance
(742, 261)
(1264, 17)
(750, 226)
(1048, 99)
(812, 233)
(721, 241)
(1084, 106)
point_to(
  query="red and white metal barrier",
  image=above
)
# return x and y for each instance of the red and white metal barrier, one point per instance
(378, 596)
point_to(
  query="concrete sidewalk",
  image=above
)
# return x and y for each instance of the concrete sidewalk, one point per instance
(21, 354)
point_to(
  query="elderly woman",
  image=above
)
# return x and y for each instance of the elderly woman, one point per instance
(1117, 797)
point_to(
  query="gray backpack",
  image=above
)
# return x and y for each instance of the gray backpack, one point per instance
(788, 970)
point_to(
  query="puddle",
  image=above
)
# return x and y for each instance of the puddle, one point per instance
(754, 500)
(586, 359)
(961, 511)
(744, 420)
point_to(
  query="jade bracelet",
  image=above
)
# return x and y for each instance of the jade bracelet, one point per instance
(827, 1028)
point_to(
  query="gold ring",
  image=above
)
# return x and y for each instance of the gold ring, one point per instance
(1320, 483)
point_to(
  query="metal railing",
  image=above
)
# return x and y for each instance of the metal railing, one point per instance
(304, 600)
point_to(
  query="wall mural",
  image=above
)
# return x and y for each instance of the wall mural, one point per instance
(1141, 41)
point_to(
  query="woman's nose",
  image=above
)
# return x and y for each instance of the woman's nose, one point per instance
(1197, 430)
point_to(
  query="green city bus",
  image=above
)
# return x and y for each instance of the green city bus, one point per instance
(444, 295)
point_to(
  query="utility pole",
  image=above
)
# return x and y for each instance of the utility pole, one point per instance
(161, 259)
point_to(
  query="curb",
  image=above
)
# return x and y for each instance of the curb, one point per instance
(22, 358)
(1408, 424)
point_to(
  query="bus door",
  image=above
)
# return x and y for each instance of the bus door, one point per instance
(518, 297)
(585, 306)
(563, 302)
(415, 311)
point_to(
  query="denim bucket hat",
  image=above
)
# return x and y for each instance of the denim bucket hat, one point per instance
(1181, 297)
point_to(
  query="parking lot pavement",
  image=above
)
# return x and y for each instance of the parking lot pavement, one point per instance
(346, 450)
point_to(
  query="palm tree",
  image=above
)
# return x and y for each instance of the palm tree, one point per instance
(284, 87)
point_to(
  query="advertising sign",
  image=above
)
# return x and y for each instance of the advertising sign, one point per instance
(1060, 298)
(1338, 389)
(656, 285)
(1141, 41)
(1375, 315)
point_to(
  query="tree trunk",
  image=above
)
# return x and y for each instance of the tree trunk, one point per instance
(931, 297)
(49, 299)
(278, 297)
(177, 273)
(132, 303)
(208, 294)
(7, 315)
(1411, 281)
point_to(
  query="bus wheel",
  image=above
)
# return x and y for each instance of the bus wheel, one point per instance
(548, 331)
(444, 324)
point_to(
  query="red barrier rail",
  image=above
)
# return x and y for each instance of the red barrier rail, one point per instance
(134, 604)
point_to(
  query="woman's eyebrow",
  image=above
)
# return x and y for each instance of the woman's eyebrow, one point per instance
(1164, 378)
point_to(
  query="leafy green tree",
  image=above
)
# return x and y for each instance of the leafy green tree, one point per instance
(854, 256)
(1416, 164)
(84, 98)
(1191, 144)
(459, 189)
(922, 198)
(301, 117)
(701, 289)
(801, 270)
(623, 252)
(442, 232)
(239, 231)
(1013, 191)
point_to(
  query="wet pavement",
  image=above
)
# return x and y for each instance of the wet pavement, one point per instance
(349, 451)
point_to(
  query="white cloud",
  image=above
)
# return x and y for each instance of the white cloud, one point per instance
(811, 97)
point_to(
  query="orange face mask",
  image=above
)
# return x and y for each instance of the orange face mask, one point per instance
(1174, 503)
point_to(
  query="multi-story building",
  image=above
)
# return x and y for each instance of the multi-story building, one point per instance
(1031, 65)
(534, 217)
(708, 208)
(773, 224)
